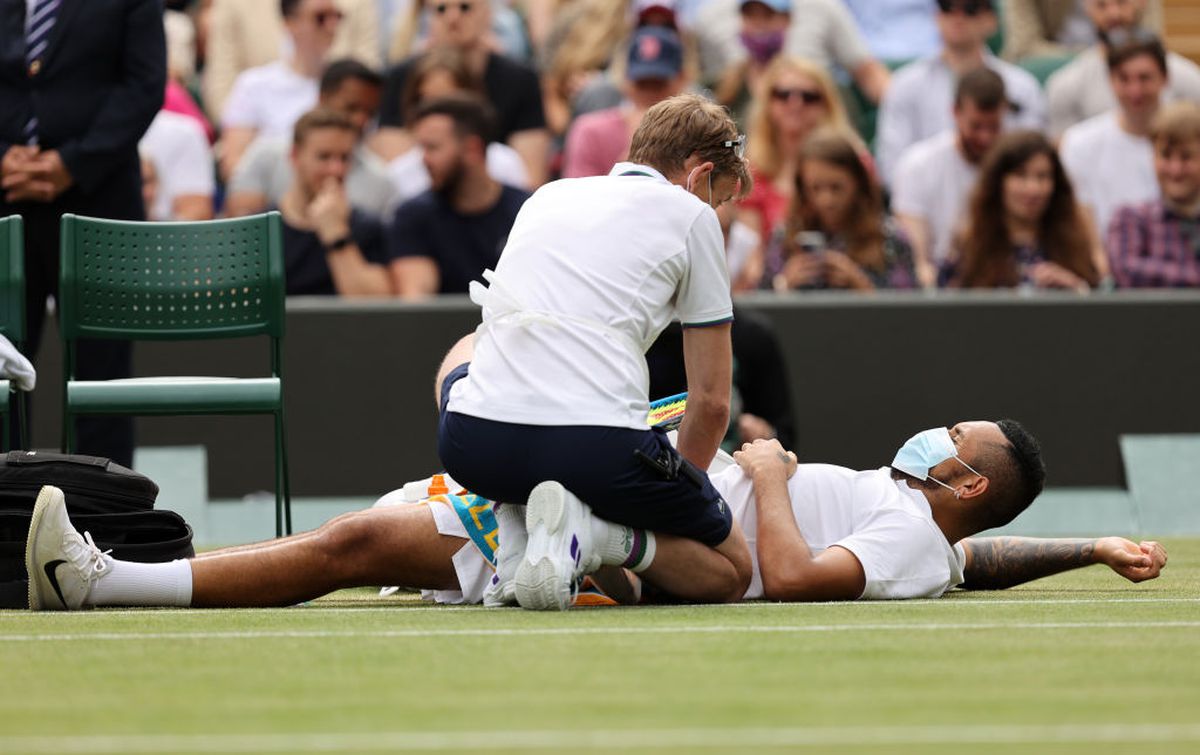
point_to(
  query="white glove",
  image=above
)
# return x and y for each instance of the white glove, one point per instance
(15, 367)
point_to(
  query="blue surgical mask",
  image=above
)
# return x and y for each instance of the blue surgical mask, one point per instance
(924, 451)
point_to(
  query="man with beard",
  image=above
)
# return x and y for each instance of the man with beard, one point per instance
(443, 239)
(329, 247)
(934, 177)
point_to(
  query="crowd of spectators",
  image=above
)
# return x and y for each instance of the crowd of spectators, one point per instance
(897, 144)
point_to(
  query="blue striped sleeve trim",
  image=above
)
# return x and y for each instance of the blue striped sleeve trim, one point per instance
(708, 324)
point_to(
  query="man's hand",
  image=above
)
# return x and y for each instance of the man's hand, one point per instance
(766, 459)
(1136, 562)
(16, 159)
(41, 177)
(329, 212)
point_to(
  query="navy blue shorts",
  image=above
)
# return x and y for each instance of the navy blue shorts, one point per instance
(503, 461)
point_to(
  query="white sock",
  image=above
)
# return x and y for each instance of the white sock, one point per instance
(129, 583)
(619, 545)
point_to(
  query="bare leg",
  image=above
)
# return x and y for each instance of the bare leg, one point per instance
(380, 546)
(692, 571)
(460, 353)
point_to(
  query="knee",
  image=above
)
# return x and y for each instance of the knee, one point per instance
(345, 538)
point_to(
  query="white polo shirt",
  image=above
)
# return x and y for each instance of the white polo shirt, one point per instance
(933, 182)
(269, 98)
(594, 269)
(1108, 167)
(887, 525)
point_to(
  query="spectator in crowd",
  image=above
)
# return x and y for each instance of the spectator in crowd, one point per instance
(77, 91)
(897, 30)
(935, 176)
(1080, 90)
(837, 234)
(443, 239)
(1058, 28)
(245, 34)
(1109, 157)
(1157, 244)
(407, 30)
(918, 104)
(182, 166)
(1023, 226)
(329, 246)
(265, 172)
(440, 72)
(822, 31)
(794, 98)
(583, 41)
(267, 100)
(597, 141)
(511, 87)
(181, 69)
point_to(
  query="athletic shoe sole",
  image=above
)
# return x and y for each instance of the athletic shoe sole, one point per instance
(547, 572)
(38, 599)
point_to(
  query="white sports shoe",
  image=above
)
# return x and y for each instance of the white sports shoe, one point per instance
(560, 550)
(62, 565)
(512, 538)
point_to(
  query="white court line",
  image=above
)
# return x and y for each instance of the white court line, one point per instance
(583, 631)
(414, 606)
(594, 739)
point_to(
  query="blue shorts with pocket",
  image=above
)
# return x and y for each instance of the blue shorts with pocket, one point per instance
(503, 461)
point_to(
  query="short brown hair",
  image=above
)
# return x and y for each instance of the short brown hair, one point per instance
(1177, 123)
(982, 87)
(687, 124)
(1127, 44)
(319, 118)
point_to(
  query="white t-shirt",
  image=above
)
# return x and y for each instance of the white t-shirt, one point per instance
(269, 98)
(594, 269)
(183, 161)
(934, 182)
(887, 525)
(410, 177)
(1108, 167)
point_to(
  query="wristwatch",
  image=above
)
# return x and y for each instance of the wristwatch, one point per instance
(339, 244)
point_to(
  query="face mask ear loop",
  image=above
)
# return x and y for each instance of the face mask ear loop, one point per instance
(691, 176)
(968, 466)
(710, 196)
(944, 485)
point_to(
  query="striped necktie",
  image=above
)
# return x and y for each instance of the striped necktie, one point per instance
(37, 39)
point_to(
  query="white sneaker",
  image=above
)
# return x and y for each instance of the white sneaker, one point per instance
(62, 565)
(560, 550)
(512, 538)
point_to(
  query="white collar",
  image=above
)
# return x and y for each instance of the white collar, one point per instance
(625, 168)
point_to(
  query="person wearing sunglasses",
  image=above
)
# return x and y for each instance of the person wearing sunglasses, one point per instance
(794, 98)
(511, 87)
(267, 100)
(1080, 89)
(918, 104)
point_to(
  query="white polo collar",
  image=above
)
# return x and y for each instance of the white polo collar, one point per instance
(627, 168)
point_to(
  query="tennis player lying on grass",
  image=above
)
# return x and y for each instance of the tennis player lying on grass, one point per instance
(818, 532)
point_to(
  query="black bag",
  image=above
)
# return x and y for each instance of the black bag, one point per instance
(111, 502)
(91, 484)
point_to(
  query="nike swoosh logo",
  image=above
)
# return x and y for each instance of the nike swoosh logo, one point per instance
(50, 568)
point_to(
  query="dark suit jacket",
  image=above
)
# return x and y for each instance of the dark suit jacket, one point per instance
(100, 84)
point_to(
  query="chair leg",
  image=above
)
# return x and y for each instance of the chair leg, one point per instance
(283, 496)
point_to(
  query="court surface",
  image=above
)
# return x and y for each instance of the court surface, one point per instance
(1079, 663)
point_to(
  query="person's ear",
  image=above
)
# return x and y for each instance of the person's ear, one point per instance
(976, 486)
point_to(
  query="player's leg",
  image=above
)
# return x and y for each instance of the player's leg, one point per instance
(460, 353)
(378, 546)
(692, 571)
(388, 545)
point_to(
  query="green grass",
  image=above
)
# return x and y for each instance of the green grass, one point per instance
(1079, 663)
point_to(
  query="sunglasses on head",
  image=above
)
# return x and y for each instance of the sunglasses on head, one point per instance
(738, 145)
(463, 7)
(969, 7)
(323, 17)
(807, 96)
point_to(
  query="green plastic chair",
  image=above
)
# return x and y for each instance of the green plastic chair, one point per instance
(175, 282)
(12, 317)
(1043, 66)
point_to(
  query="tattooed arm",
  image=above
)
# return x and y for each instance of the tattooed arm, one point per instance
(994, 563)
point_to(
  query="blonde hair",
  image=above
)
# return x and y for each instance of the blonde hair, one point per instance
(763, 148)
(1175, 124)
(687, 124)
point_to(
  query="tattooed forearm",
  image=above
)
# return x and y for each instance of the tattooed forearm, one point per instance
(999, 562)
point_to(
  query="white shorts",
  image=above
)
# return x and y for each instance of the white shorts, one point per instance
(472, 569)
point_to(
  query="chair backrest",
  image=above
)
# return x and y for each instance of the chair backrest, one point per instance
(12, 279)
(171, 281)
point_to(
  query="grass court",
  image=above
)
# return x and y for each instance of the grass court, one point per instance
(1082, 662)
